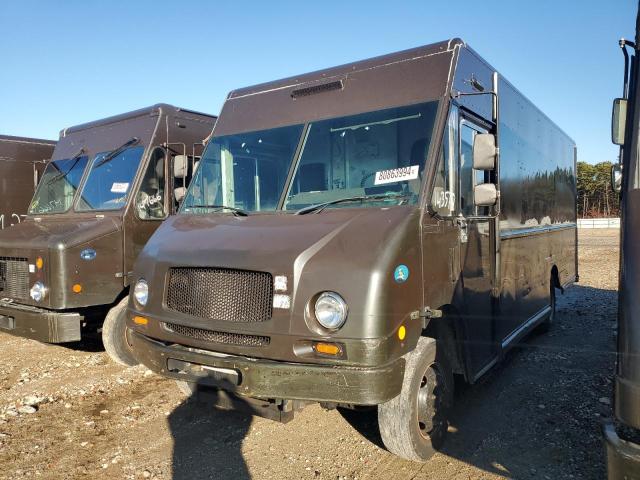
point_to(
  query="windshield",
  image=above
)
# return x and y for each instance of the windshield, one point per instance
(246, 171)
(109, 182)
(58, 186)
(370, 154)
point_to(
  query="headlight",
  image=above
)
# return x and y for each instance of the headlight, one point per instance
(331, 310)
(38, 291)
(141, 292)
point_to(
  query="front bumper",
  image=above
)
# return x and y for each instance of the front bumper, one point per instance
(39, 324)
(268, 379)
(623, 457)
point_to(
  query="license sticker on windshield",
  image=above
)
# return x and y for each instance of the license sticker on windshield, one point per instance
(397, 175)
(119, 187)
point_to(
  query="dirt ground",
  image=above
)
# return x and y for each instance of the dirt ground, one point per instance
(70, 413)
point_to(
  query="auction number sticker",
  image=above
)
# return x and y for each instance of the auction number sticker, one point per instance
(397, 174)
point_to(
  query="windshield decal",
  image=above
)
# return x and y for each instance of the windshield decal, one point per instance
(397, 175)
(119, 187)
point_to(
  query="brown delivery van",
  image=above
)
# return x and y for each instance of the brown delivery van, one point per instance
(358, 235)
(65, 270)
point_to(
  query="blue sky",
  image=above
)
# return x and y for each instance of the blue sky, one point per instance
(68, 62)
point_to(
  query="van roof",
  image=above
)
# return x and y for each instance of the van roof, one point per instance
(11, 138)
(153, 110)
(396, 57)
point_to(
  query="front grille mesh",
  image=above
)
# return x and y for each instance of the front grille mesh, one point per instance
(218, 337)
(14, 278)
(221, 293)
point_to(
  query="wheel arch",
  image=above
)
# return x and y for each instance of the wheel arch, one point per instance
(449, 330)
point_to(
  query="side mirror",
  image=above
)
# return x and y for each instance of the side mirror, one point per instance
(485, 195)
(618, 121)
(180, 166)
(616, 177)
(484, 151)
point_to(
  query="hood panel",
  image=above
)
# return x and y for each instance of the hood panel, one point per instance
(351, 251)
(59, 242)
(51, 233)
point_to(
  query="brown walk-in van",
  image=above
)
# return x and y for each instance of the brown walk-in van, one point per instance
(358, 235)
(623, 436)
(66, 269)
(22, 161)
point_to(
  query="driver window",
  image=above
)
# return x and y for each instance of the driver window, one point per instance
(150, 201)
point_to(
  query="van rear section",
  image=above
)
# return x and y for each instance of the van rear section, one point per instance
(22, 161)
(359, 235)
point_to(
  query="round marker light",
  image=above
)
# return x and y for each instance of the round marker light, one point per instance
(330, 310)
(402, 332)
(38, 291)
(141, 292)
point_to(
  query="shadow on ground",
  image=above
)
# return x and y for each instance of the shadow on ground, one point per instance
(536, 415)
(208, 442)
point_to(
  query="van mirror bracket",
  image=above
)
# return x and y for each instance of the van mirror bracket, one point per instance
(427, 314)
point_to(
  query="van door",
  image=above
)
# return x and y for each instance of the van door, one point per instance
(457, 252)
(151, 205)
(476, 259)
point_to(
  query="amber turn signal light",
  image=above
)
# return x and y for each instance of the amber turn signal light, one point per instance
(140, 320)
(327, 348)
(402, 332)
(77, 288)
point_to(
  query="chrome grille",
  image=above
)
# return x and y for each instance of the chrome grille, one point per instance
(14, 278)
(221, 293)
(218, 337)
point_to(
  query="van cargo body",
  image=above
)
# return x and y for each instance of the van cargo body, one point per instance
(371, 244)
(22, 161)
(623, 436)
(108, 186)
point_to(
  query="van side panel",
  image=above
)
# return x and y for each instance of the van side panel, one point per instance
(538, 208)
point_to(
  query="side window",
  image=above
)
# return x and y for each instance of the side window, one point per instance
(444, 193)
(150, 201)
(184, 167)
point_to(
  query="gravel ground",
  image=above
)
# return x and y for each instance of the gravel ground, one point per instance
(70, 413)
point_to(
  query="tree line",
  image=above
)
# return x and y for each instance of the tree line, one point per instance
(595, 196)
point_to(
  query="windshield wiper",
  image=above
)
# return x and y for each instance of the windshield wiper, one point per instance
(117, 151)
(75, 159)
(360, 198)
(236, 211)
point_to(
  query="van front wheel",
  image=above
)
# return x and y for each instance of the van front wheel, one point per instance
(114, 336)
(413, 425)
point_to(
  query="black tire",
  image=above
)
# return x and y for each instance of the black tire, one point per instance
(414, 424)
(546, 325)
(114, 336)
